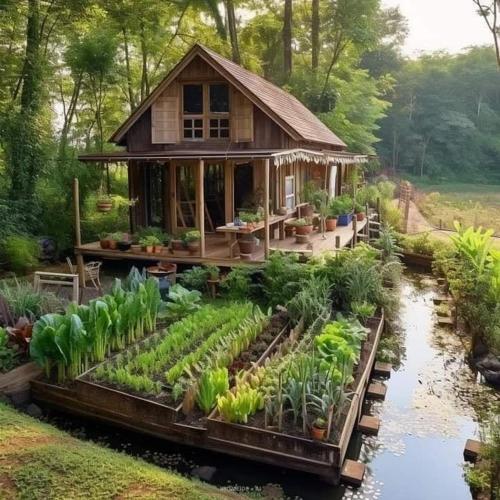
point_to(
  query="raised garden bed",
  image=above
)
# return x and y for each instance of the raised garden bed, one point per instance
(417, 259)
(255, 443)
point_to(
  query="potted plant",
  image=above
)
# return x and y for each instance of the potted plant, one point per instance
(303, 226)
(359, 210)
(345, 206)
(192, 241)
(318, 429)
(307, 196)
(124, 245)
(335, 209)
(135, 245)
(104, 240)
(251, 219)
(104, 203)
(114, 238)
(148, 243)
(247, 244)
(213, 272)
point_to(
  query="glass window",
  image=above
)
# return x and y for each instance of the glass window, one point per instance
(219, 128)
(219, 98)
(193, 128)
(290, 192)
(193, 99)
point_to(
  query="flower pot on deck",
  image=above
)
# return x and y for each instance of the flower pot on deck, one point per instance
(344, 219)
(123, 246)
(303, 230)
(317, 433)
(360, 216)
(113, 244)
(177, 245)
(306, 211)
(149, 249)
(136, 248)
(104, 244)
(194, 247)
(331, 224)
(157, 248)
(247, 245)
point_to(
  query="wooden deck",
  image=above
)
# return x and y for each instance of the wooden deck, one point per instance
(217, 248)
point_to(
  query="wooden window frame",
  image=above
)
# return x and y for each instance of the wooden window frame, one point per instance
(287, 196)
(207, 115)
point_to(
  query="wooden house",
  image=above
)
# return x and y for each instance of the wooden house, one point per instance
(214, 138)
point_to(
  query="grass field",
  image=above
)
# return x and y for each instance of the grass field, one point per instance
(471, 204)
(38, 461)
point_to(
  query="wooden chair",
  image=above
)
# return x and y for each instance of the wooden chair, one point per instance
(92, 273)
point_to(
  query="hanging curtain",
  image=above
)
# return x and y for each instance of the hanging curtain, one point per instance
(333, 181)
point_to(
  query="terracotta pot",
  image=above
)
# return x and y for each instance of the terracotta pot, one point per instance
(113, 244)
(331, 224)
(149, 248)
(177, 245)
(193, 247)
(104, 244)
(247, 245)
(104, 206)
(136, 248)
(157, 249)
(360, 216)
(306, 211)
(303, 230)
(318, 434)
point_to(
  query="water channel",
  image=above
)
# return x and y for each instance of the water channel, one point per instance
(433, 404)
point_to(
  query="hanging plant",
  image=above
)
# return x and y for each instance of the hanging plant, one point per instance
(104, 204)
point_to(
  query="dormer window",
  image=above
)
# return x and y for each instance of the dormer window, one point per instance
(205, 111)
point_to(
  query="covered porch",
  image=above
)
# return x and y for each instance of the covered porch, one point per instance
(181, 191)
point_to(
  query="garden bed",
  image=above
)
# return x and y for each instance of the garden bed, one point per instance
(254, 443)
(417, 259)
(293, 450)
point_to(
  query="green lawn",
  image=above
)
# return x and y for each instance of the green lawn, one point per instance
(471, 204)
(38, 461)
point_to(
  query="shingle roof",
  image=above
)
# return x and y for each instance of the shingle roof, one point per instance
(283, 107)
(282, 103)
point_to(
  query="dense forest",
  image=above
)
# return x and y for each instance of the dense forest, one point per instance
(72, 70)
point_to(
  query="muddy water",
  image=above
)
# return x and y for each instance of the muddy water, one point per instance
(432, 406)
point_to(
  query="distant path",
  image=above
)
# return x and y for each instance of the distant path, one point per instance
(418, 224)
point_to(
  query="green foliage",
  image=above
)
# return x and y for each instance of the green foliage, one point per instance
(238, 407)
(21, 253)
(363, 310)
(195, 278)
(237, 284)
(212, 384)
(282, 278)
(23, 300)
(181, 302)
(9, 355)
(340, 205)
(191, 236)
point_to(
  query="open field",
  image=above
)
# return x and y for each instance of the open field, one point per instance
(471, 204)
(38, 461)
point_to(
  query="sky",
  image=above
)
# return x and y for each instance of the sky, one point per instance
(441, 24)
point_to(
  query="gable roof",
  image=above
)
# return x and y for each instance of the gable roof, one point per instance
(285, 109)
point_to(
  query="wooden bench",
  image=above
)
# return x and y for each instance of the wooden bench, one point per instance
(58, 279)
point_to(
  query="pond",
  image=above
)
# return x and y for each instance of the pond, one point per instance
(433, 405)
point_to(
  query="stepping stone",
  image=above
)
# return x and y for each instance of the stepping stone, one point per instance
(471, 450)
(352, 472)
(445, 320)
(441, 281)
(382, 369)
(369, 425)
(440, 299)
(376, 390)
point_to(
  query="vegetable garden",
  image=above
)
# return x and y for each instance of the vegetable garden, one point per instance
(280, 361)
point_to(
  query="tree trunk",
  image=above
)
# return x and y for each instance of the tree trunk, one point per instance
(287, 39)
(144, 77)
(233, 34)
(131, 97)
(315, 36)
(24, 157)
(68, 117)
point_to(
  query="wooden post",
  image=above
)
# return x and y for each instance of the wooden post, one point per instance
(200, 205)
(337, 241)
(266, 208)
(354, 231)
(367, 220)
(78, 234)
(379, 217)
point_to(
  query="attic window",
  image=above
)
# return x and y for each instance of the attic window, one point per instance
(193, 99)
(219, 98)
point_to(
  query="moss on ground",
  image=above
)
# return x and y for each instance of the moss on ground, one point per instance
(38, 461)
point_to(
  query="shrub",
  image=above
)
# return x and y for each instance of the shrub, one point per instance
(195, 278)
(237, 284)
(21, 253)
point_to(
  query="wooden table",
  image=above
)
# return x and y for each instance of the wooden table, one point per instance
(234, 231)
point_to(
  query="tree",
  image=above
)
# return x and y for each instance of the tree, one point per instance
(233, 34)
(489, 11)
(287, 39)
(315, 27)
